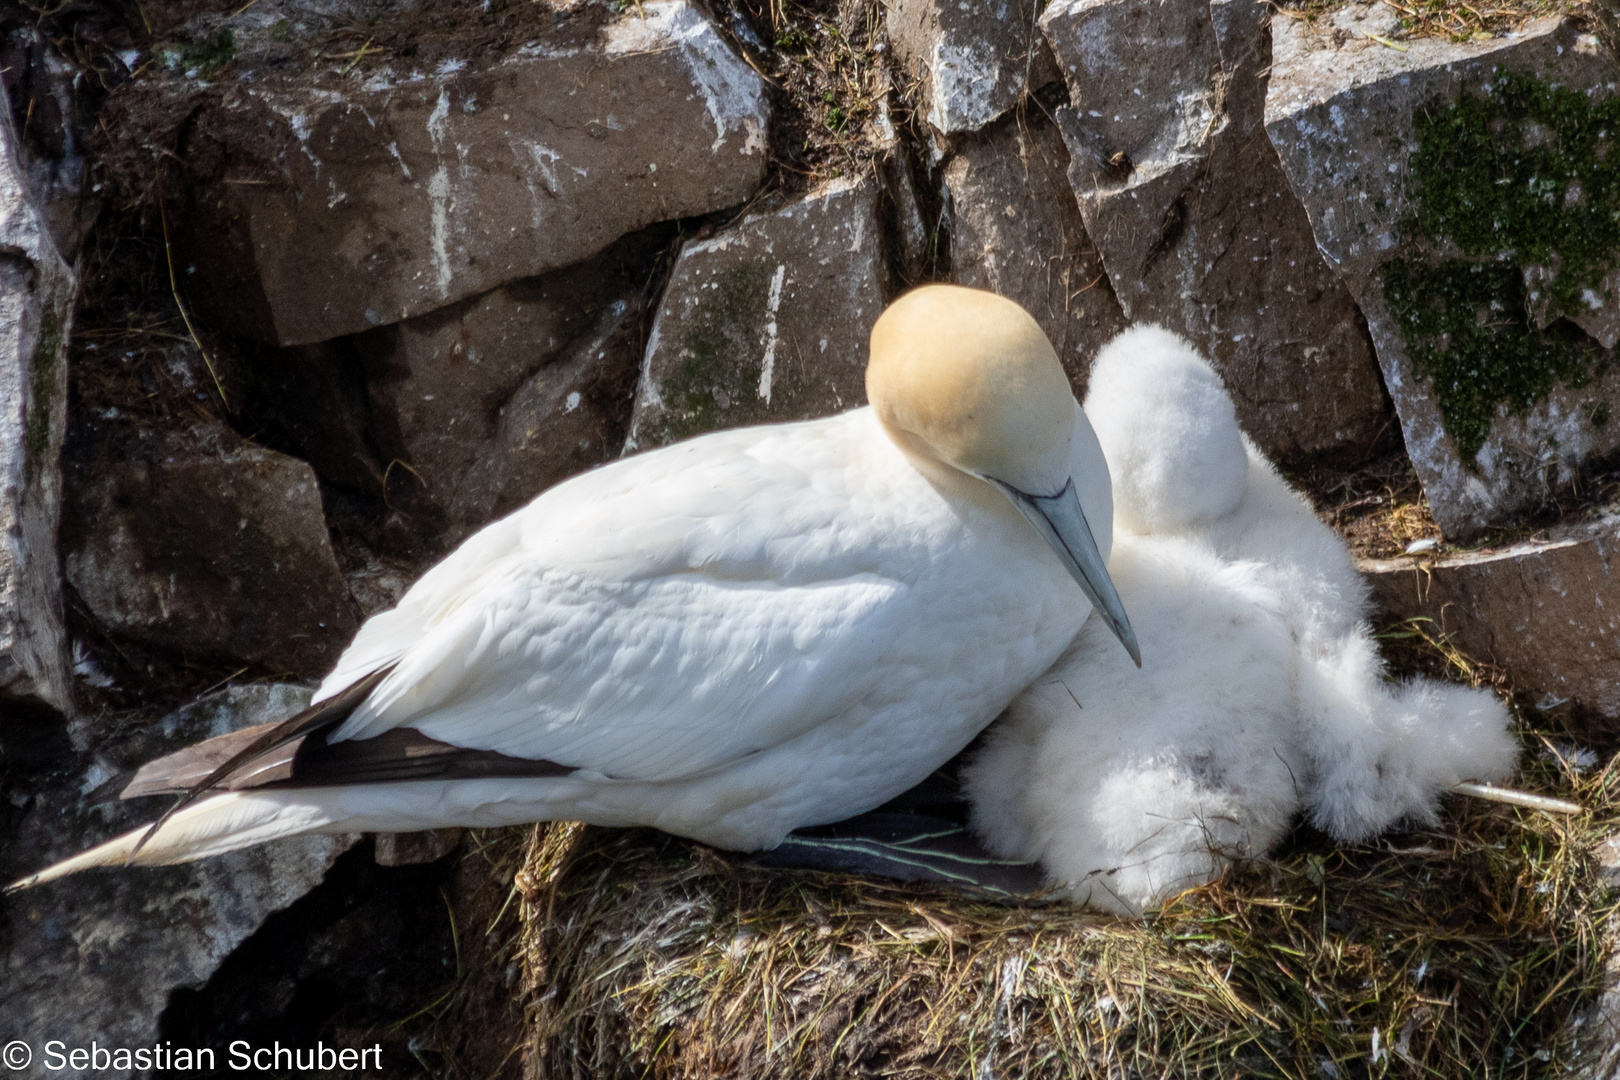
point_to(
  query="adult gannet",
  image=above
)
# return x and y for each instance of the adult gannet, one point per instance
(1263, 693)
(727, 639)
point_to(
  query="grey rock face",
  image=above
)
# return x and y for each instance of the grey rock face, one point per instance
(1357, 125)
(96, 956)
(766, 322)
(345, 207)
(1194, 219)
(53, 157)
(213, 547)
(411, 849)
(1017, 230)
(493, 400)
(36, 313)
(1594, 1032)
(1548, 611)
(1598, 314)
(971, 61)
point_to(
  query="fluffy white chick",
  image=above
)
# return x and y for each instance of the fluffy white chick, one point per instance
(1261, 692)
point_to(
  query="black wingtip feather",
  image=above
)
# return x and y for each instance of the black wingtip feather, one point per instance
(322, 716)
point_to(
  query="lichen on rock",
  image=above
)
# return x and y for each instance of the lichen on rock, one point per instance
(1517, 177)
(732, 314)
(37, 292)
(1466, 328)
(766, 321)
(1523, 169)
(1456, 187)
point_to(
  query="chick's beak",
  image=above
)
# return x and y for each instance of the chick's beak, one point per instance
(1062, 524)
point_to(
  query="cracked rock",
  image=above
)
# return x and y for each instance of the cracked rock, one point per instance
(493, 400)
(971, 61)
(1196, 225)
(914, 241)
(341, 205)
(96, 956)
(766, 322)
(314, 398)
(211, 547)
(1547, 611)
(1439, 179)
(1016, 230)
(53, 149)
(37, 290)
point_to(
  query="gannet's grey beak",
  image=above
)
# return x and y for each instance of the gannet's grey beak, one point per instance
(1063, 525)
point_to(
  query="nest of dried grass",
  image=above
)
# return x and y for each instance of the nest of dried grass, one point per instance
(1458, 20)
(1458, 951)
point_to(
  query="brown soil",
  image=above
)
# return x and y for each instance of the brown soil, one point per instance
(830, 89)
(1379, 509)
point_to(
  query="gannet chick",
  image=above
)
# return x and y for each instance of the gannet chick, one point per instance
(1261, 693)
(730, 638)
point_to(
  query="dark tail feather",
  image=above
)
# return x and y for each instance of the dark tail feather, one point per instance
(397, 755)
(162, 774)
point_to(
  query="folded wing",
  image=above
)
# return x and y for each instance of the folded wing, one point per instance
(676, 613)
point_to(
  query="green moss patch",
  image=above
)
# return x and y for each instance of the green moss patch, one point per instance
(1524, 174)
(1466, 327)
(719, 351)
(1527, 169)
(205, 57)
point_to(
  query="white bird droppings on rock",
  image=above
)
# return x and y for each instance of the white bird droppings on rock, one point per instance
(736, 337)
(103, 957)
(486, 207)
(972, 62)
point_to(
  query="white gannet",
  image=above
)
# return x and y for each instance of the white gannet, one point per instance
(1262, 692)
(729, 638)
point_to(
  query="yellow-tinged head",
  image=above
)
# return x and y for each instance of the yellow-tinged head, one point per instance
(967, 377)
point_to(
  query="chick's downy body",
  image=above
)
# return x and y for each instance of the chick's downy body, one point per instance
(1261, 693)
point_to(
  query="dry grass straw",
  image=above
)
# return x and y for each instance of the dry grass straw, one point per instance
(830, 88)
(1380, 509)
(1458, 951)
(1456, 20)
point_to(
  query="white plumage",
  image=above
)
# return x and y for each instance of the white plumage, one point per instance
(737, 636)
(1261, 692)
(743, 634)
